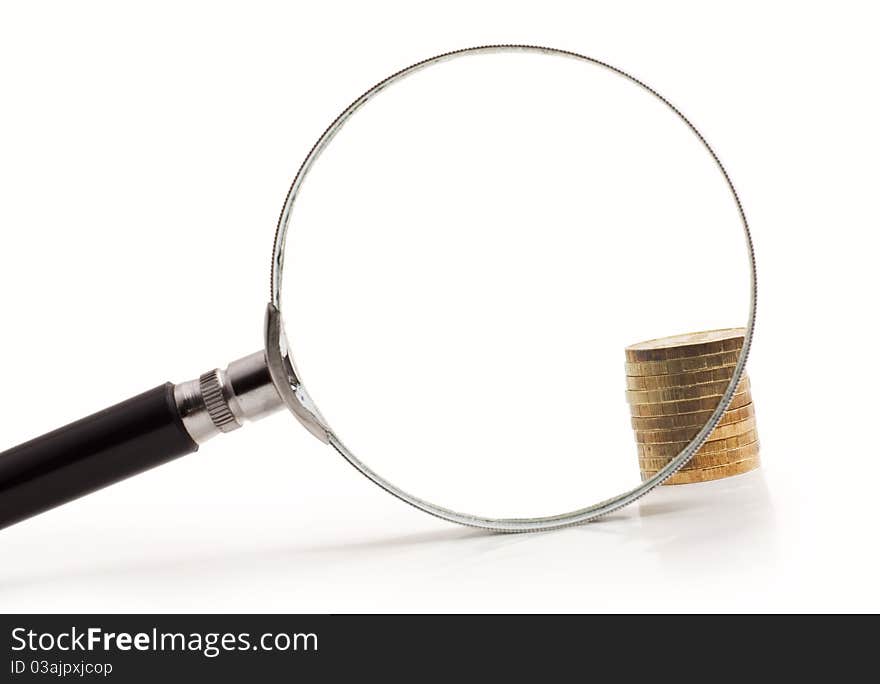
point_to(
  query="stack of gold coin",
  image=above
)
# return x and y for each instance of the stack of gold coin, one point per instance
(673, 385)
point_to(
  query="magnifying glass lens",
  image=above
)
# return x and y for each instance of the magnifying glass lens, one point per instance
(468, 259)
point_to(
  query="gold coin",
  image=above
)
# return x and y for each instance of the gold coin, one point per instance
(697, 419)
(686, 434)
(708, 474)
(687, 345)
(670, 408)
(705, 389)
(686, 365)
(655, 382)
(709, 460)
(674, 448)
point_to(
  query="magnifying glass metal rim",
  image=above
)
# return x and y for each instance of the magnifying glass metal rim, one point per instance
(289, 385)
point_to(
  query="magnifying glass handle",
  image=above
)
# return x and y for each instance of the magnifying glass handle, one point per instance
(108, 446)
(126, 439)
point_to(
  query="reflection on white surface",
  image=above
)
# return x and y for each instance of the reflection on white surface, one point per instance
(684, 522)
(688, 547)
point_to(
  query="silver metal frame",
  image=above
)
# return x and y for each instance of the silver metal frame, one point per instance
(288, 381)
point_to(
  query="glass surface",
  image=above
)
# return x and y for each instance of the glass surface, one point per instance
(468, 259)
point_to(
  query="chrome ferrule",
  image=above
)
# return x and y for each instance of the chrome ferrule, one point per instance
(223, 400)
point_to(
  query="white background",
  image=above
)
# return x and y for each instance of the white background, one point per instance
(138, 148)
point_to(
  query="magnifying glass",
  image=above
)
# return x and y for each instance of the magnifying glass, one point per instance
(459, 277)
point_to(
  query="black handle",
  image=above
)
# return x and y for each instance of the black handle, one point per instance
(108, 446)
